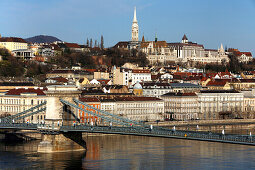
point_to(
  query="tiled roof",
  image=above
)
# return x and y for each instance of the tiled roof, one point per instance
(144, 84)
(60, 79)
(55, 47)
(12, 39)
(219, 91)
(218, 82)
(241, 53)
(137, 99)
(103, 81)
(72, 45)
(184, 37)
(39, 92)
(185, 44)
(89, 99)
(16, 84)
(247, 80)
(157, 44)
(179, 94)
(121, 44)
(61, 71)
(141, 71)
(184, 85)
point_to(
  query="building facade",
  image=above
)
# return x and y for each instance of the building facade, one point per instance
(17, 100)
(220, 104)
(181, 106)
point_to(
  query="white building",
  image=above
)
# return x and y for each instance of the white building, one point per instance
(181, 106)
(140, 75)
(13, 43)
(155, 89)
(17, 100)
(123, 76)
(214, 104)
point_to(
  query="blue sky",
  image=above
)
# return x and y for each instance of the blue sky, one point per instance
(208, 22)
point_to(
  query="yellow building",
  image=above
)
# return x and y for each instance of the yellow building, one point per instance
(13, 43)
(243, 84)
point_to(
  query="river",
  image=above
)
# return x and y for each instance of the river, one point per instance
(119, 152)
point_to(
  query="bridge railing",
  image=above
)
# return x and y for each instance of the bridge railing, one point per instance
(163, 133)
(5, 125)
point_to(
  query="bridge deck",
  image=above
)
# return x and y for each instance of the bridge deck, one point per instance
(137, 130)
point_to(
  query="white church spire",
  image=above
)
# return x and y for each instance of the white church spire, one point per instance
(135, 20)
(135, 28)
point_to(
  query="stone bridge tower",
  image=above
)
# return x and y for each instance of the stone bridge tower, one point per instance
(58, 113)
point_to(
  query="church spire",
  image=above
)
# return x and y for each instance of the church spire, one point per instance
(143, 40)
(135, 20)
(135, 28)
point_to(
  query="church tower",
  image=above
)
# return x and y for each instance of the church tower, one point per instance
(135, 28)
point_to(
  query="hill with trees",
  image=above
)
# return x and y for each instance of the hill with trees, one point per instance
(42, 39)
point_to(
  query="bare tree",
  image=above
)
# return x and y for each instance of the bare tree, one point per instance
(102, 42)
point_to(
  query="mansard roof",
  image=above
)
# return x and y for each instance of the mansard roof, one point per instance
(37, 91)
(185, 44)
(16, 84)
(219, 91)
(184, 85)
(89, 99)
(179, 94)
(141, 71)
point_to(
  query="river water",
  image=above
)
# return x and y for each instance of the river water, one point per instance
(131, 152)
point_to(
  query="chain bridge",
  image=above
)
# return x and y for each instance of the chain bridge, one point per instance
(63, 127)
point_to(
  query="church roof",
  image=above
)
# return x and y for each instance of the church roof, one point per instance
(157, 44)
(121, 44)
(184, 37)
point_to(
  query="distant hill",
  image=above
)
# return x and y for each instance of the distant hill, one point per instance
(42, 39)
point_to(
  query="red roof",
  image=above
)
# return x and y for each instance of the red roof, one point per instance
(141, 71)
(39, 92)
(89, 99)
(238, 53)
(12, 39)
(137, 99)
(72, 45)
(60, 79)
(247, 80)
(102, 81)
(90, 70)
(218, 82)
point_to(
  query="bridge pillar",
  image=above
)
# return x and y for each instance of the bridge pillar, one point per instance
(69, 141)
(57, 113)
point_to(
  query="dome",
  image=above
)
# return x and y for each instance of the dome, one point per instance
(137, 86)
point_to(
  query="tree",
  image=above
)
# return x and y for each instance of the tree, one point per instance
(87, 42)
(102, 42)
(95, 43)
(90, 43)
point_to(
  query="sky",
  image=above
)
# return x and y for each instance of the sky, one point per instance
(207, 22)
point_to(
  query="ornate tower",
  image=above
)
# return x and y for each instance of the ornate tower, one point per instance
(135, 28)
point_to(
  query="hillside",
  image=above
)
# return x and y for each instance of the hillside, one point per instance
(42, 39)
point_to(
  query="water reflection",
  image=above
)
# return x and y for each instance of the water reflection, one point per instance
(131, 152)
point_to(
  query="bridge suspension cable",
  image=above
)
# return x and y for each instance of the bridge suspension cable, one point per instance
(108, 119)
(25, 113)
(110, 114)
